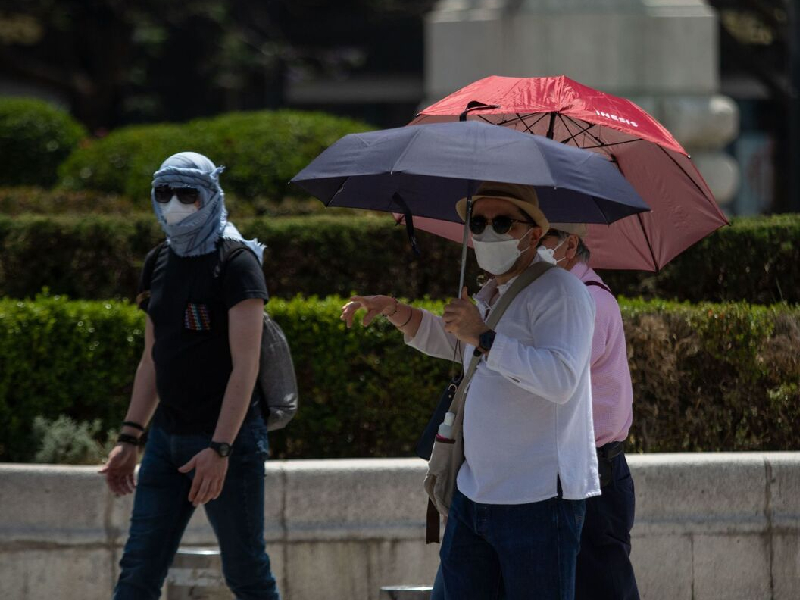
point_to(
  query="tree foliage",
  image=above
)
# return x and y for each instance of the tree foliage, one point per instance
(119, 62)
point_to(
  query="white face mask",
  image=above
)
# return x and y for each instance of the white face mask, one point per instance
(548, 254)
(175, 211)
(496, 252)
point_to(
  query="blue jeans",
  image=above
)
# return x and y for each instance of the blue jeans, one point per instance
(529, 550)
(161, 511)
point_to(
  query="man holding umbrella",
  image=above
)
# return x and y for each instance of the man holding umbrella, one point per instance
(604, 568)
(515, 520)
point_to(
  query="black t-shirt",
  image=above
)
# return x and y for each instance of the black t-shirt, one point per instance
(189, 309)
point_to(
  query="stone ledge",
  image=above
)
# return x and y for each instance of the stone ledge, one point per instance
(314, 500)
(709, 527)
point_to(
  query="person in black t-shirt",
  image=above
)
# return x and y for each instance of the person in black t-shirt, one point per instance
(196, 379)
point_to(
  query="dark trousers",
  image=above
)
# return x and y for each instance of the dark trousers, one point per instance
(161, 511)
(523, 551)
(604, 570)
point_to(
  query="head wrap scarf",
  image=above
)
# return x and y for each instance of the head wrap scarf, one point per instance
(198, 233)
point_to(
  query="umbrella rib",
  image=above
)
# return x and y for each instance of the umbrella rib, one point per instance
(336, 193)
(644, 231)
(610, 156)
(612, 144)
(647, 239)
(521, 118)
(529, 128)
(564, 123)
(573, 136)
(685, 172)
(600, 142)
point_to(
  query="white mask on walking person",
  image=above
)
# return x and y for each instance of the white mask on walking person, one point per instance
(175, 211)
(497, 253)
(548, 254)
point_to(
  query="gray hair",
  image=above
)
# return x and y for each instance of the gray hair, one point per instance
(583, 253)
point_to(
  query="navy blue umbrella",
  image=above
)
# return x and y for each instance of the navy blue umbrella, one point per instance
(425, 169)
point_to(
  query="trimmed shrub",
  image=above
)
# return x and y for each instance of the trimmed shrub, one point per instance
(35, 137)
(261, 150)
(124, 161)
(63, 358)
(713, 377)
(706, 378)
(756, 260)
(101, 257)
(39, 201)
(62, 441)
(85, 203)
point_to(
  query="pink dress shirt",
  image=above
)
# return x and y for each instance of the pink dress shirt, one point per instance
(612, 392)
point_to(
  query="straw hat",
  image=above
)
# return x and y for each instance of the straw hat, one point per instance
(522, 196)
(578, 229)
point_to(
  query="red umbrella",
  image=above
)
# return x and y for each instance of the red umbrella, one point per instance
(683, 208)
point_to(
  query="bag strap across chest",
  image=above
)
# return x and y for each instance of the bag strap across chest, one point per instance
(530, 275)
(160, 253)
(147, 274)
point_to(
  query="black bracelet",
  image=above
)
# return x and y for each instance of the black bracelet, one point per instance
(396, 306)
(133, 424)
(124, 438)
(410, 314)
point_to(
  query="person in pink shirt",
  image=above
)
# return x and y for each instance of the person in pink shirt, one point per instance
(603, 569)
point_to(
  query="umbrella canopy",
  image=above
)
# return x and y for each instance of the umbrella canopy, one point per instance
(683, 207)
(423, 171)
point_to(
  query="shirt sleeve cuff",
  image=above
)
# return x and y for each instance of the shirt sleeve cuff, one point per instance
(495, 359)
(248, 295)
(418, 341)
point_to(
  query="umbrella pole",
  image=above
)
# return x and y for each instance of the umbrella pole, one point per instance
(464, 246)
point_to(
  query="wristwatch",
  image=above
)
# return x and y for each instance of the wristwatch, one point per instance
(485, 341)
(221, 448)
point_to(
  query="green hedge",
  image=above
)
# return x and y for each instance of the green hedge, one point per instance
(30, 200)
(756, 260)
(59, 357)
(261, 150)
(100, 257)
(35, 137)
(706, 378)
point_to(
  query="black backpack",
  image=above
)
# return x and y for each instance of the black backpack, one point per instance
(276, 382)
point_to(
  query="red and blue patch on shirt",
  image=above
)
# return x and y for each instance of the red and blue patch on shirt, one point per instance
(197, 317)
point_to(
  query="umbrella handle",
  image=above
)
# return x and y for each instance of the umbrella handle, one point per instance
(464, 246)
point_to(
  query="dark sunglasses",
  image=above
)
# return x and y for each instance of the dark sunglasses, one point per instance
(186, 195)
(501, 224)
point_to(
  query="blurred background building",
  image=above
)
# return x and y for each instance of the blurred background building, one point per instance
(722, 75)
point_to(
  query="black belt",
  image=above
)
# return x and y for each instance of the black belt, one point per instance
(605, 467)
(610, 450)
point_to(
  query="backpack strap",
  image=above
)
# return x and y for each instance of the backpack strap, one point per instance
(147, 274)
(598, 284)
(226, 256)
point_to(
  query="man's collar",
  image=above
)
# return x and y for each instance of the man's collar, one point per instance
(581, 270)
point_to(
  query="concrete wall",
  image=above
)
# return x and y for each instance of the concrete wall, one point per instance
(709, 526)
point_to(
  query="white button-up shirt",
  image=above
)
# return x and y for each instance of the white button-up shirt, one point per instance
(528, 412)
